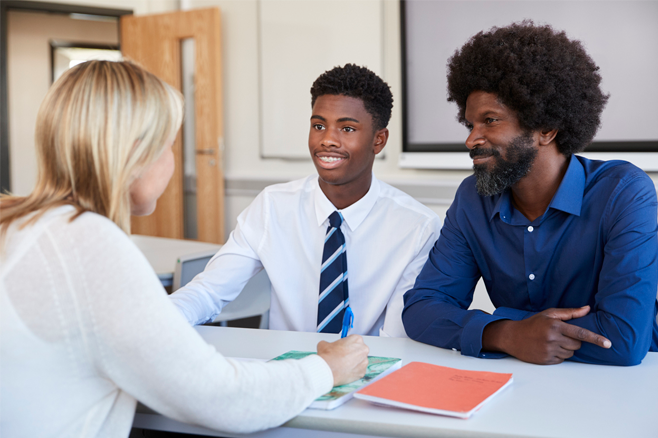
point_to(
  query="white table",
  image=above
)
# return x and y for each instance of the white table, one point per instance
(566, 400)
(162, 253)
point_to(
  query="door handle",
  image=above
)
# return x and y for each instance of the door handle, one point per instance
(206, 151)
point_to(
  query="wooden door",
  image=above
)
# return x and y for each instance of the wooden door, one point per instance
(154, 41)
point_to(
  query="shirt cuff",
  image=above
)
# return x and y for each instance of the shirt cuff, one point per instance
(191, 309)
(471, 340)
(513, 314)
(321, 377)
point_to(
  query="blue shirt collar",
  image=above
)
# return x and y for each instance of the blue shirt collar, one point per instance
(568, 198)
(502, 207)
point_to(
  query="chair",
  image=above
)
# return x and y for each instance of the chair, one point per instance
(254, 300)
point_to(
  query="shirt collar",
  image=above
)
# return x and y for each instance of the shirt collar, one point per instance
(353, 215)
(568, 198)
(502, 207)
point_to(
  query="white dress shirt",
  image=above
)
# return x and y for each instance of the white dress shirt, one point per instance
(388, 237)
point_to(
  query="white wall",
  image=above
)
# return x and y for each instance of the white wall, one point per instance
(240, 53)
(243, 162)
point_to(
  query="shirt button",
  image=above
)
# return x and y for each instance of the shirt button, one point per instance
(531, 276)
(531, 228)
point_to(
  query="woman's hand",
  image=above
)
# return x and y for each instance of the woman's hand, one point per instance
(347, 358)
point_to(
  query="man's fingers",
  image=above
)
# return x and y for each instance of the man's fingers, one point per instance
(564, 353)
(585, 335)
(569, 343)
(567, 314)
(575, 332)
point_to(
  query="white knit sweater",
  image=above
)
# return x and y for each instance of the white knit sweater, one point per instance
(86, 329)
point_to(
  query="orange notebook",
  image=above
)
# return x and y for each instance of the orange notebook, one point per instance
(435, 389)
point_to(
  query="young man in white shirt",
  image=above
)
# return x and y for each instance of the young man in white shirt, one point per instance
(291, 230)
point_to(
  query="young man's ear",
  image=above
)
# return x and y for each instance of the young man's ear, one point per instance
(381, 137)
(546, 136)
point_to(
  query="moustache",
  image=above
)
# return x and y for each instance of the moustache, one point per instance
(477, 152)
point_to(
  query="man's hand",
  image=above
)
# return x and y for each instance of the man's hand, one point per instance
(543, 338)
(347, 358)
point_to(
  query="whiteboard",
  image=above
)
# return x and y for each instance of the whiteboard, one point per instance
(621, 37)
(299, 40)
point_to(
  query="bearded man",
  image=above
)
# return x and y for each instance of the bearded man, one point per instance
(567, 246)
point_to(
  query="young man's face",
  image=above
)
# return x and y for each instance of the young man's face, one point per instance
(501, 150)
(343, 142)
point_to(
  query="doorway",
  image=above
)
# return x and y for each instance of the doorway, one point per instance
(41, 40)
(25, 23)
(33, 38)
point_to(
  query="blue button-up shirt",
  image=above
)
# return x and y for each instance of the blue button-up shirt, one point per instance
(596, 244)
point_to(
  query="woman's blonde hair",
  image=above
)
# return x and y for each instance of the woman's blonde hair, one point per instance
(99, 125)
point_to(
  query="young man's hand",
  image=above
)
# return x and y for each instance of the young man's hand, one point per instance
(543, 338)
(347, 358)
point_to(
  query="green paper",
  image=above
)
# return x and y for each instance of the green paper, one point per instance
(376, 366)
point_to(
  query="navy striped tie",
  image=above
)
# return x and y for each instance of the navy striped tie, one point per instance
(334, 298)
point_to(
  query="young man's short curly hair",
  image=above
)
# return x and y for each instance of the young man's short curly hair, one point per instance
(361, 83)
(547, 79)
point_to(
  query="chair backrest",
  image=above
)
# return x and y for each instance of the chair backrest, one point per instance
(253, 300)
(188, 266)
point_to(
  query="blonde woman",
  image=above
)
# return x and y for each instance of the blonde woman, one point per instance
(86, 329)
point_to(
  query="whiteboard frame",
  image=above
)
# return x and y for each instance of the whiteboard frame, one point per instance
(647, 161)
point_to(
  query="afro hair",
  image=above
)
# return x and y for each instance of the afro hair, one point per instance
(548, 80)
(360, 83)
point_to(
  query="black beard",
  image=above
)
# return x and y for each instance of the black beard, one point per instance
(505, 172)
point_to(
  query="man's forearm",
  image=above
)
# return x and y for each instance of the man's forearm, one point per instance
(630, 335)
(443, 324)
(548, 337)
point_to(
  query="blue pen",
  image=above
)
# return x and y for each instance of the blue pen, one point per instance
(348, 321)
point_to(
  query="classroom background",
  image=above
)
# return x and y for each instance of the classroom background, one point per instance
(268, 54)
